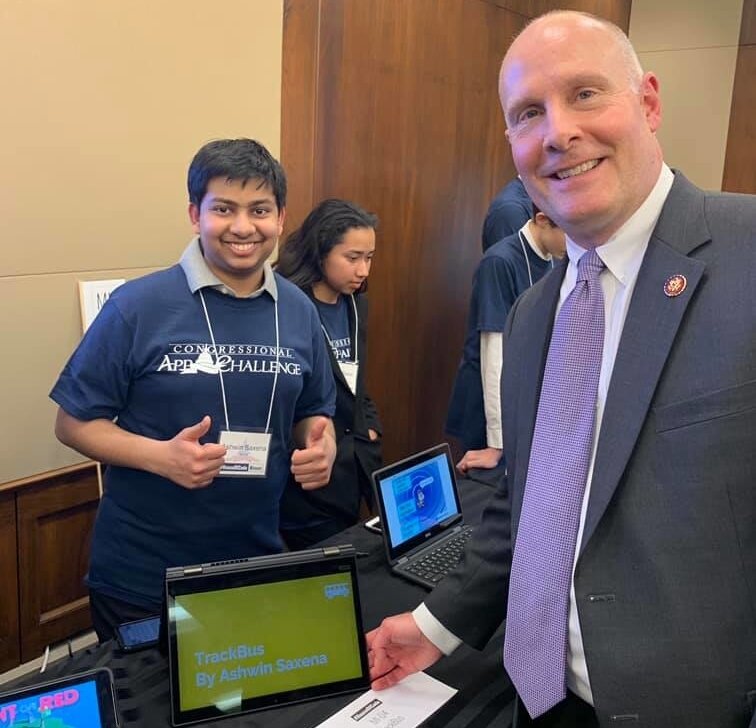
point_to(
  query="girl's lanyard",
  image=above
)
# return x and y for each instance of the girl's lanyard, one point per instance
(246, 451)
(348, 368)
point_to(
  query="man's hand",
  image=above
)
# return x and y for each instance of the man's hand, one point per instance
(189, 463)
(486, 458)
(311, 465)
(397, 649)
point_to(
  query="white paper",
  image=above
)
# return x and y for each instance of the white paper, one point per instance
(405, 705)
(92, 297)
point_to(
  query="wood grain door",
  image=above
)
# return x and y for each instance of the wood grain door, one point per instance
(54, 531)
(9, 637)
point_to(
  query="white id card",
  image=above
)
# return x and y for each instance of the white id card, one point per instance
(349, 369)
(246, 455)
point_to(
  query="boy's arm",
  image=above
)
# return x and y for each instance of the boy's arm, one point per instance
(182, 459)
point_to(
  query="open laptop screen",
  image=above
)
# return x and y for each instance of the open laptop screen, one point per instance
(264, 632)
(417, 497)
(77, 701)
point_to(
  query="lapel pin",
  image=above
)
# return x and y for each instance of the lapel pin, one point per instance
(675, 285)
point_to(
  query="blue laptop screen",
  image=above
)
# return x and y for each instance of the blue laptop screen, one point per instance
(75, 706)
(418, 498)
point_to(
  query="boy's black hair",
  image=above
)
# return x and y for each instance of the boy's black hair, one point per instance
(235, 159)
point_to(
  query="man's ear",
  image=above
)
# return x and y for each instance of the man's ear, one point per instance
(542, 220)
(194, 216)
(281, 218)
(651, 100)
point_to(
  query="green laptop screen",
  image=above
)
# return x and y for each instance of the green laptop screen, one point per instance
(234, 646)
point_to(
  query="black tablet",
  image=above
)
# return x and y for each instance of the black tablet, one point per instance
(263, 632)
(84, 700)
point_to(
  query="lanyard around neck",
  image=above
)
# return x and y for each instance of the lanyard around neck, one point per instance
(356, 331)
(220, 371)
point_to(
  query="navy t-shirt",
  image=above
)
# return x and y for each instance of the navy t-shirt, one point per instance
(334, 318)
(148, 360)
(502, 275)
(507, 213)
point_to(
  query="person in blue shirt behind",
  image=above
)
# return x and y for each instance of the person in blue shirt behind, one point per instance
(508, 268)
(507, 213)
(191, 377)
(329, 258)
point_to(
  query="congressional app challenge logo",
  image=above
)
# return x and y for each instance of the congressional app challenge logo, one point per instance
(203, 358)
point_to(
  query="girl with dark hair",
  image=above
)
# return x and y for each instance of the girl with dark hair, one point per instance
(329, 258)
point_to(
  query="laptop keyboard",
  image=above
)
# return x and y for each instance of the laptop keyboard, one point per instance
(438, 562)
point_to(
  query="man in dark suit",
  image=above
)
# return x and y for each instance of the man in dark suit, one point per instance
(658, 622)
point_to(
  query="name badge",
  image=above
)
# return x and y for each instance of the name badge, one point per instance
(246, 455)
(349, 369)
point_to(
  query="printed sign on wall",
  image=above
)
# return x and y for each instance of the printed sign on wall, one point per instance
(92, 297)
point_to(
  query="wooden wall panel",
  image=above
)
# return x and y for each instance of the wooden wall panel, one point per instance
(748, 23)
(299, 105)
(740, 158)
(55, 524)
(9, 638)
(618, 11)
(407, 123)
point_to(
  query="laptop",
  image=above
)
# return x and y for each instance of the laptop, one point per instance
(84, 699)
(424, 533)
(255, 633)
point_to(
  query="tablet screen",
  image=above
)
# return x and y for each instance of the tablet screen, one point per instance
(77, 701)
(262, 637)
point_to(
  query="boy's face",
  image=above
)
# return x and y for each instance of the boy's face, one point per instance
(239, 225)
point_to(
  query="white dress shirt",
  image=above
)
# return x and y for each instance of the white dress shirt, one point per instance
(491, 355)
(623, 255)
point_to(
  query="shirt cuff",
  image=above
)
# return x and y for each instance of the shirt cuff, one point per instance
(441, 637)
(494, 438)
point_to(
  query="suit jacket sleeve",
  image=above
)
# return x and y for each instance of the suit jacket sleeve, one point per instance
(472, 601)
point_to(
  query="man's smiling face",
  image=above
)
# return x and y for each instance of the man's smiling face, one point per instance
(581, 122)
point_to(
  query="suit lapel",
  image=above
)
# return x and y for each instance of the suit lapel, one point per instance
(652, 322)
(535, 317)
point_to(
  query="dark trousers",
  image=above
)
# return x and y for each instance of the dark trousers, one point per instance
(108, 612)
(307, 536)
(572, 712)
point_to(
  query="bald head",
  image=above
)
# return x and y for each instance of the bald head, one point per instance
(561, 18)
(581, 119)
(558, 23)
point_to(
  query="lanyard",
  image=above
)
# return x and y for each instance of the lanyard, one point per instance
(356, 331)
(220, 372)
(525, 253)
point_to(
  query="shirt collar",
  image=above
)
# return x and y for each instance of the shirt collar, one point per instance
(623, 252)
(528, 235)
(198, 274)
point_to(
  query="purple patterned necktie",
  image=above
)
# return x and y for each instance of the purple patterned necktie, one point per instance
(535, 645)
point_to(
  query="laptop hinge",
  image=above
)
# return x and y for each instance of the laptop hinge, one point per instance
(193, 570)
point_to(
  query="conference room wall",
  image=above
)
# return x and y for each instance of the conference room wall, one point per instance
(740, 162)
(692, 45)
(104, 105)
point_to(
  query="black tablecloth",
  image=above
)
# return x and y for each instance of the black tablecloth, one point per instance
(485, 696)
